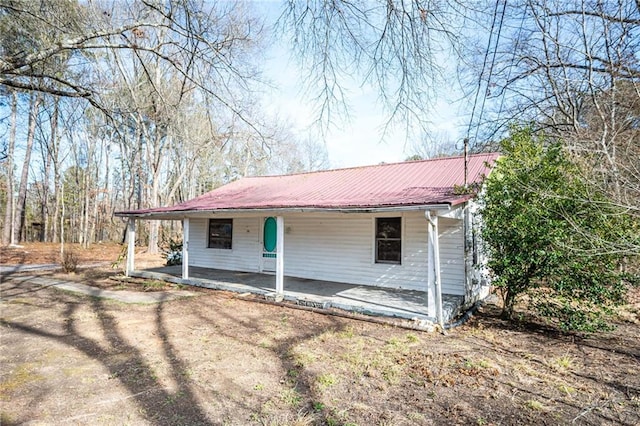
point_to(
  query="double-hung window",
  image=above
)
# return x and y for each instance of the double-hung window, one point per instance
(220, 233)
(388, 240)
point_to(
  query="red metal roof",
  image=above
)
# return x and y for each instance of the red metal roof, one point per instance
(413, 183)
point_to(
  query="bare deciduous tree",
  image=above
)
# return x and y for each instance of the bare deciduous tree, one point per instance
(572, 68)
(20, 215)
(395, 46)
(148, 69)
(8, 235)
(434, 145)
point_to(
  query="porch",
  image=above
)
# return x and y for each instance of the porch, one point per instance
(369, 300)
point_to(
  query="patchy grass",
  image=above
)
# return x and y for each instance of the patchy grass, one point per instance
(534, 405)
(285, 419)
(291, 397)
(217, 359)
(562, 364)
(326, 380)
(22, 376)
(6, 419)
(153, 285)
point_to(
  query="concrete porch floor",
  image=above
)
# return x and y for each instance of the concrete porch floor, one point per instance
(369, 300)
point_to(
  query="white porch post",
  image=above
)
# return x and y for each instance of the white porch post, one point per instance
(434, 287)
(185, 248)
(431, 279)
(280, 258)
(131, 237)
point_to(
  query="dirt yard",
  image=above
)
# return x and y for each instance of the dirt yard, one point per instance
(44, 253)
(220, 359)
(111, 254)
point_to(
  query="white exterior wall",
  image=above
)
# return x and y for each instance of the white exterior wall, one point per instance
(452, 256)
(243, 256)
(339, 247)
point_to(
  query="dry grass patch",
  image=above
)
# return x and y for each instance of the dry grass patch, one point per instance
(23, 375)
(216, 359)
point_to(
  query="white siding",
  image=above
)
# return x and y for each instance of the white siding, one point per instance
(339, 247)
(451, 256)
(245, 251)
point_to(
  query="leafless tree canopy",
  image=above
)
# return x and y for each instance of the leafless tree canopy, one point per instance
(572, 68)
(129, 104)
(60, 47)
(144, 103)
(393, 45)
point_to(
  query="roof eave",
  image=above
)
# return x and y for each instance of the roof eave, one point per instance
(180, 214)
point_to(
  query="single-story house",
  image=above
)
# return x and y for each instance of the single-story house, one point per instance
(407, 225)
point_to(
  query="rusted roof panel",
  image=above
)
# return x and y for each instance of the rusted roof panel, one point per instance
(413, 183)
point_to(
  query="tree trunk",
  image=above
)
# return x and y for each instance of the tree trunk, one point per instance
(20, 217)
(138, 171)
(88, 189)
(8, 234)
(44, 208)
(62, 221)
(96, 224)
(509, 304)
(54, 151)
(86, 202)
(154, 225)
(56, 213)
(107, 212)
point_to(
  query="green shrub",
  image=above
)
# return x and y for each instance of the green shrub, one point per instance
(549, 233)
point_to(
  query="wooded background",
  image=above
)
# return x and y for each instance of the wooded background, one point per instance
(123, 104)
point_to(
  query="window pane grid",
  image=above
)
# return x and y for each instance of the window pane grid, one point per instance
(388, 240)
(220, 233)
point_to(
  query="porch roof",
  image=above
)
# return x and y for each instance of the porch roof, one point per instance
(396, 186)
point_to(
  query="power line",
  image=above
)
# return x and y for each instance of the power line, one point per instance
(493, 61)
(484, 66)
(513, 60)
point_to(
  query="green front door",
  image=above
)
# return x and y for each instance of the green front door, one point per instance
(269, 242)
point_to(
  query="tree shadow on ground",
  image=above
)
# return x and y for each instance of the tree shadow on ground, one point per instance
(218, 315)
(21, 285)
(295, 376)
(127, 364)
(622, 347)
(626, 344)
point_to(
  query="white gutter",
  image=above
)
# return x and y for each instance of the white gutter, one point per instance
(434, 245)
